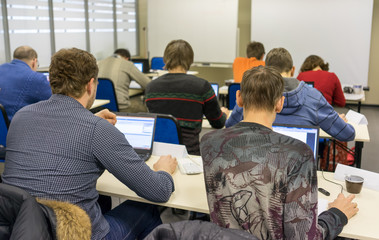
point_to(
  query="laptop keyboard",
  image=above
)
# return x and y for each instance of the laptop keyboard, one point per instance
(144, 156)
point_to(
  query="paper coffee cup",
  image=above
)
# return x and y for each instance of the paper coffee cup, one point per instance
(357, 89)
(354, 184)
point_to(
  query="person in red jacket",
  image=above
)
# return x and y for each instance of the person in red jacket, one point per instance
(314, 69)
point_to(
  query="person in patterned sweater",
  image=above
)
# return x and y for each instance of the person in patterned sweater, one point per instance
(264, 182)
(186, 97)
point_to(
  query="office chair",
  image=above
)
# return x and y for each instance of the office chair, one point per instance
(232, 94)
(105, 90)
(167, 129)
(4, 125)
(157, 63)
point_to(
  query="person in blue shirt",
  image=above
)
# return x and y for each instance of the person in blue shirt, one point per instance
(303, 105)
(20, 84)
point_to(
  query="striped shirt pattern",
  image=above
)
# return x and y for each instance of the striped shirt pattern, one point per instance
(187, 98)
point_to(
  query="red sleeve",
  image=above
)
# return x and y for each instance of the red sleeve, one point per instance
(338, 96)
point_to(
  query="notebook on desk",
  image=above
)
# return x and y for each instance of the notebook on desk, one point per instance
(306, 134)
(139, 130)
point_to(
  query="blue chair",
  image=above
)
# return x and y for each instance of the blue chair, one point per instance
(105, 90)
(167, 129)
(232, 94)
(4, 125)
(157, 63)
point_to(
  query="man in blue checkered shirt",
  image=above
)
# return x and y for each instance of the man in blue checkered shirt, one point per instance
(57, 149)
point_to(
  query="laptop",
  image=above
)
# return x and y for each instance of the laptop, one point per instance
(306, 134)
(139, 130)
(142, 64)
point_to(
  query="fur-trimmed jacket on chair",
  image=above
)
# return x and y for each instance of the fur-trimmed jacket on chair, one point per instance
(24, 217)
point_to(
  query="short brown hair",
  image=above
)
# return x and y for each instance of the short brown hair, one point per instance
(280, 59)
(70, 70)
(178, 53)
(261, 88)
(122, 52)
(313, 61)
(255, 49)
(25, 53)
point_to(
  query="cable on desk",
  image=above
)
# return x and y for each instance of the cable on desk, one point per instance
(322, 172)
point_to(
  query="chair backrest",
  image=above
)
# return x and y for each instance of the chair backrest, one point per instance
(105, 90)
(232, 94)
(4, 125)
(167, 129)
(157, 63)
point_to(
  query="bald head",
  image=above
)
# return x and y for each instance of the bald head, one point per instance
(24, 53)
(28, 55)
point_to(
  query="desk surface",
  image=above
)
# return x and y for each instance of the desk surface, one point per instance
(190, 195)
(100, 102)
(189, 191)
(363, 225)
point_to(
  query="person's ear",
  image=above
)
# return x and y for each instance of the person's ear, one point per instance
(239, 99)
(91, 86)
(279, 104)
(261, 58)
(293, 71)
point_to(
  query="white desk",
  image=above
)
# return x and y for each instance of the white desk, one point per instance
(355, 98)
(100, 102)
(363, 225)
(190, 195)
(189, 192)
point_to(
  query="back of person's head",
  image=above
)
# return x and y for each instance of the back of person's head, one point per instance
(178, 53)
(261, 88)
(24, 53)
(70, 71)
(123, 52)
(280, 59)
(312, 62)
(255, 49)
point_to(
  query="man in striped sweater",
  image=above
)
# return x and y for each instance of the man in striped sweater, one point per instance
(184, 96)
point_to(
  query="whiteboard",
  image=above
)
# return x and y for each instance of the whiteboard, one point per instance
(210, 26)
(339, 31)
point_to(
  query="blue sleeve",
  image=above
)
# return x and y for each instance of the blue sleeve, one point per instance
(235, 117)
(331, 123)
(113, 151)
(41, 89)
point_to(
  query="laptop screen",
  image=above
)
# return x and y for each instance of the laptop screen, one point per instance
(215, 88)
(138, 130)
(139, 65)
(306, 134)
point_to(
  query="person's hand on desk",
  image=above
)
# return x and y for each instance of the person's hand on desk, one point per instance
(345, 205)
(226, 111)
(166, 163)
(107, 115)
(343, 117)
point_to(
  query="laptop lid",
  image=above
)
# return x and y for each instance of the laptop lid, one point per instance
(139, 130)
(306, 134)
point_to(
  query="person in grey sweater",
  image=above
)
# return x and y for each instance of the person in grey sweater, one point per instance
(121, 72)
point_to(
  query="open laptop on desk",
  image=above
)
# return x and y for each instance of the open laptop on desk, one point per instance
(142, 64)
(139, 130)
(306, 134)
